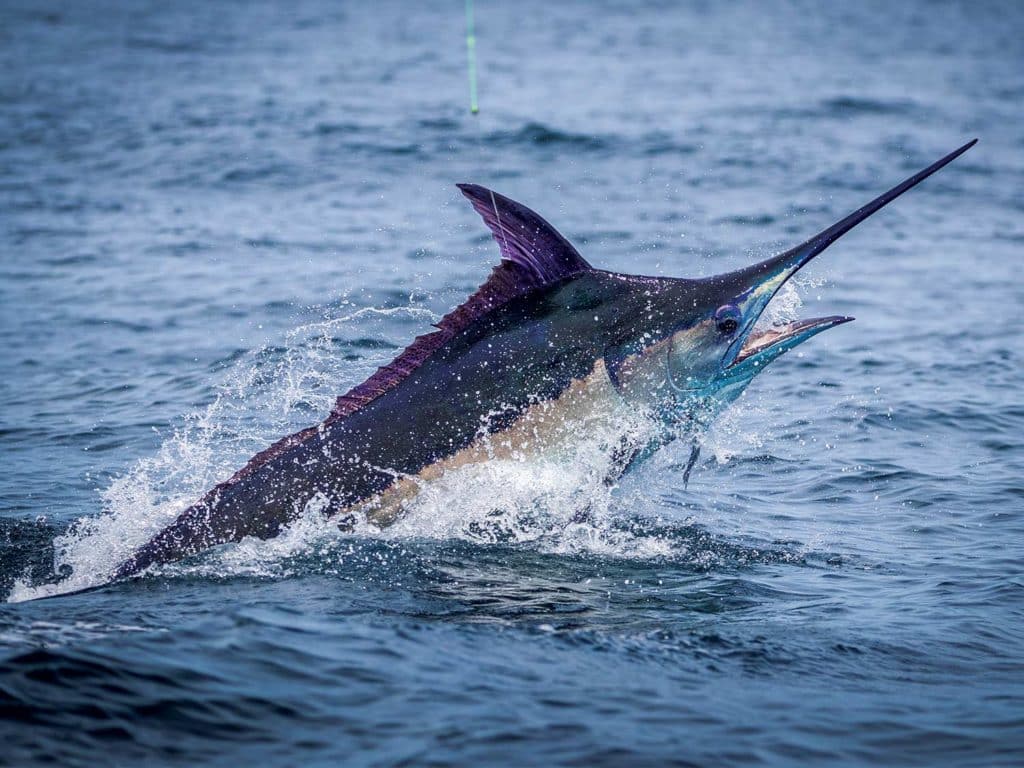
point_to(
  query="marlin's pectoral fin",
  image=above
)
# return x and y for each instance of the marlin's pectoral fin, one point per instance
(694, 455)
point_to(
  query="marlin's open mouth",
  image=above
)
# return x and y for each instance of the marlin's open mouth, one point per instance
(777, 339)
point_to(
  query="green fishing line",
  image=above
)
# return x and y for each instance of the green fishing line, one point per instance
(471, 57)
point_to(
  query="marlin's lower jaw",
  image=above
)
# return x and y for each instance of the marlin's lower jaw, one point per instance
(761, 347)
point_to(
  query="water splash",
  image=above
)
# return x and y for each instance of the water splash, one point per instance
(267, 393)
(786, 304)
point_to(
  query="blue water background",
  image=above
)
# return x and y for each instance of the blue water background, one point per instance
(197, 200)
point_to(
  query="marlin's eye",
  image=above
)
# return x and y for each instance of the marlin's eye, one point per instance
(727, 318)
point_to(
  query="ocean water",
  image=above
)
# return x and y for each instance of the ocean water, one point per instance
(216, 217)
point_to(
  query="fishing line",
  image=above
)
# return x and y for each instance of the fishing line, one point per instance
(471, 57)
(474, 107)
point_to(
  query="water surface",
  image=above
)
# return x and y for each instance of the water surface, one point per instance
(215, 218)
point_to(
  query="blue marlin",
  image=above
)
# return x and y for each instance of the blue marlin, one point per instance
(546, 348)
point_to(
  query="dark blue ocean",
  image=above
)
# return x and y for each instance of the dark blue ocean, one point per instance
(217, 217)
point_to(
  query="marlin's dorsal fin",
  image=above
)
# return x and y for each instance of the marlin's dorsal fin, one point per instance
(533, 255)
(525, 238)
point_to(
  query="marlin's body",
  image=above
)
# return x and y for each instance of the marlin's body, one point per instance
(546, 348)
